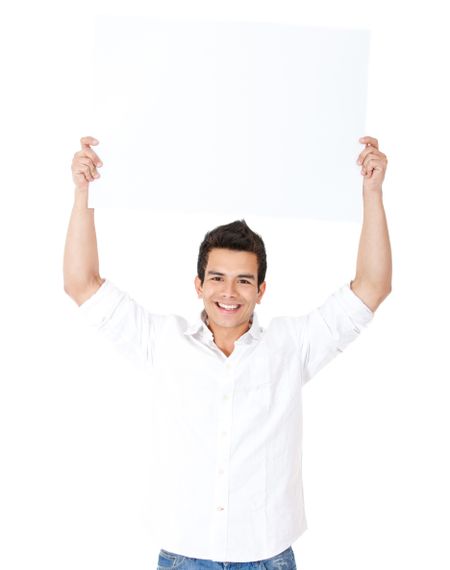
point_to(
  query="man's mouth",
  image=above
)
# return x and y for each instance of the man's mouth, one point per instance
(224, 308)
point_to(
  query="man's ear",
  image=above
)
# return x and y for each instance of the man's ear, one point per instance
(262, 289)
(198, 286)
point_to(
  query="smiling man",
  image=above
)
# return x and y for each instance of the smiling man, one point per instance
(229, 287)
(227, 392)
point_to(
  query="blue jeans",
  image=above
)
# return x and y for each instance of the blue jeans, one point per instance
(171, 561)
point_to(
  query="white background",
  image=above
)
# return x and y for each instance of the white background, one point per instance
(74, 462)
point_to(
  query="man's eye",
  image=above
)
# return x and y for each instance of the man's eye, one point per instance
(241, 280)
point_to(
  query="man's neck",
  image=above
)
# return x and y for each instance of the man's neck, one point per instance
(225, 338)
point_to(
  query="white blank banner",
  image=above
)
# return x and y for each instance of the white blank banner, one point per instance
(239, 118)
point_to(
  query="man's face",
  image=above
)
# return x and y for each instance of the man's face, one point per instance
(231, 278)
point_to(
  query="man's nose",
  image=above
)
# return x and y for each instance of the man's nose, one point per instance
(229, 289)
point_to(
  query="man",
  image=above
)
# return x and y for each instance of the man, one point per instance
(227, 393)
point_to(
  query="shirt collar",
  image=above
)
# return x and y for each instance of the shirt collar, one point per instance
(200, 325)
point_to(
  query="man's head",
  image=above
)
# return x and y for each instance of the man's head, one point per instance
(231, 270)
(236, 236)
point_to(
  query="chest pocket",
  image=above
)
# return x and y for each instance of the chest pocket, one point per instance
(263, 367)
(254, 389)
(268, 381)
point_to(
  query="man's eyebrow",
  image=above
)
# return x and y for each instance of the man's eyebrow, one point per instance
(244, 275)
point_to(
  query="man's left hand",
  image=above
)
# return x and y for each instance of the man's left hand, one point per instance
(373, 164)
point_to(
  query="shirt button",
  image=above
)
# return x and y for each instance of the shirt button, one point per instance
(220, 508)
(224, 433)
(221, 471)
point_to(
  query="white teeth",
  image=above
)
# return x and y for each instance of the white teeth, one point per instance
(229, 307)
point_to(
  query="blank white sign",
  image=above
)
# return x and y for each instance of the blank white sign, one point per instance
(239, 118)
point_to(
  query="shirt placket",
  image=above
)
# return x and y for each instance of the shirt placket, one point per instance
(220, 515)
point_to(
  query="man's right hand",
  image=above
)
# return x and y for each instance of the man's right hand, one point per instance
(85, 163)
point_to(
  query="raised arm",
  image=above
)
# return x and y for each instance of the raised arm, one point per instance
(81, 265)
(373, 280)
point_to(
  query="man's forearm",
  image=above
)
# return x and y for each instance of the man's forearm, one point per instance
(374, 263)
(81, 265)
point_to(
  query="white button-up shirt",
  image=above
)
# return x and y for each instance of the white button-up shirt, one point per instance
(228, 430)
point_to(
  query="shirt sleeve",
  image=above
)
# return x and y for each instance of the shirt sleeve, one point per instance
(330, 328)
(118, 317)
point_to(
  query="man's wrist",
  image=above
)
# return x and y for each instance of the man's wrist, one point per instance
(373, 192)
(81, 199)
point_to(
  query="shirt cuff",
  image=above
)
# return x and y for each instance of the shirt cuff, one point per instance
(358, 311)
(98, 309)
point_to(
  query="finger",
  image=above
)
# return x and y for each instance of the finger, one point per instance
(91, 154)
(369, 140)
(371, 164)
(83, 170)
(86, 169)
(369, 150)
(86, 141)
(91, 166)
(363, 155)
(379, 159)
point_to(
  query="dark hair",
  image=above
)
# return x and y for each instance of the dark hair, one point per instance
(237, 236)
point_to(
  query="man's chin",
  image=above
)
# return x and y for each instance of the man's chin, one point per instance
(227, 323)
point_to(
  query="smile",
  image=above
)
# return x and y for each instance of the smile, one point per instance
(228, 308)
